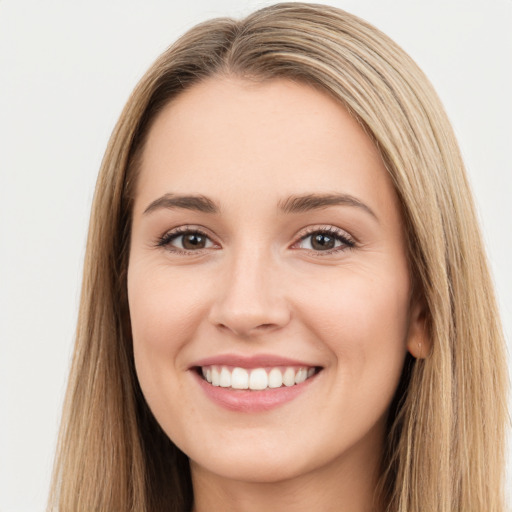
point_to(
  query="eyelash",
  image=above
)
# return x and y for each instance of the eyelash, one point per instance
(170, 236)
(347, 242)
(340, 236)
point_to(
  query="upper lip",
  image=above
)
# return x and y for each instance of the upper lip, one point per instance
(254, 361)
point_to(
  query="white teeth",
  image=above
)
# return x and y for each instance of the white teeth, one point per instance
(239, 378)
(275, 378)
(256, 379)
(289, 377)
(225, 378)
(301, 376)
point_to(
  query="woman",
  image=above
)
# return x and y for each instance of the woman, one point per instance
(285, 299)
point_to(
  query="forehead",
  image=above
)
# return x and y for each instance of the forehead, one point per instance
(229, 137)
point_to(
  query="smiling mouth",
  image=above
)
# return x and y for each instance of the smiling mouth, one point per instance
(256, 379)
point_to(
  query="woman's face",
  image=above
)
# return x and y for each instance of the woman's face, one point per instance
(267, 248)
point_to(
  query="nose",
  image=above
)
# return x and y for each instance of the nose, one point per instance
(250, 298)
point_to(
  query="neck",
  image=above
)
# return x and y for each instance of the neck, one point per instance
(346, 484)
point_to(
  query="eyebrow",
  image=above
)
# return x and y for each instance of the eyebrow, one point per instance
(308, 202)
(171, 201)
(292, 204)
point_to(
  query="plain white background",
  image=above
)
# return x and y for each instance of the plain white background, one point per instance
(67, 68)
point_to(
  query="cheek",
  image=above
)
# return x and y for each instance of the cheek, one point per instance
(164, 313)
(364, 324)
(163, 309)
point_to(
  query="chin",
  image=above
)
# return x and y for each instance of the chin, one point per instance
(253, 468)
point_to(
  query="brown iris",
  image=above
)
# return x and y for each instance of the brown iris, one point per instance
(322, 242)
(193, 241)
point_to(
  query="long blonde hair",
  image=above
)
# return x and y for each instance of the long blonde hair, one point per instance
(445, 445)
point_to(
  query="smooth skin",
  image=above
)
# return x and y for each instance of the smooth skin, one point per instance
(329, 285)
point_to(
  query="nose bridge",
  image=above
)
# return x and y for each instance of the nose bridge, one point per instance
(250, 297)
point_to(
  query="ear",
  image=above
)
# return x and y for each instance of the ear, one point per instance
(418, 339)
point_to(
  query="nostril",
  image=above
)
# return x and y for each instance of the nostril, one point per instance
(243, 330)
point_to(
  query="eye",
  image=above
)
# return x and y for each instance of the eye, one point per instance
(325, 240)
(185, 240)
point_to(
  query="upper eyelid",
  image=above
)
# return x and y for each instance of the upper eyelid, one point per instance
(309, 230)
(187, 228)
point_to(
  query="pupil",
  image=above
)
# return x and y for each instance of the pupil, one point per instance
(322, 242)
(193, 241)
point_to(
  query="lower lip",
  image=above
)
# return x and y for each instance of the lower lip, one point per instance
(252, 401)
